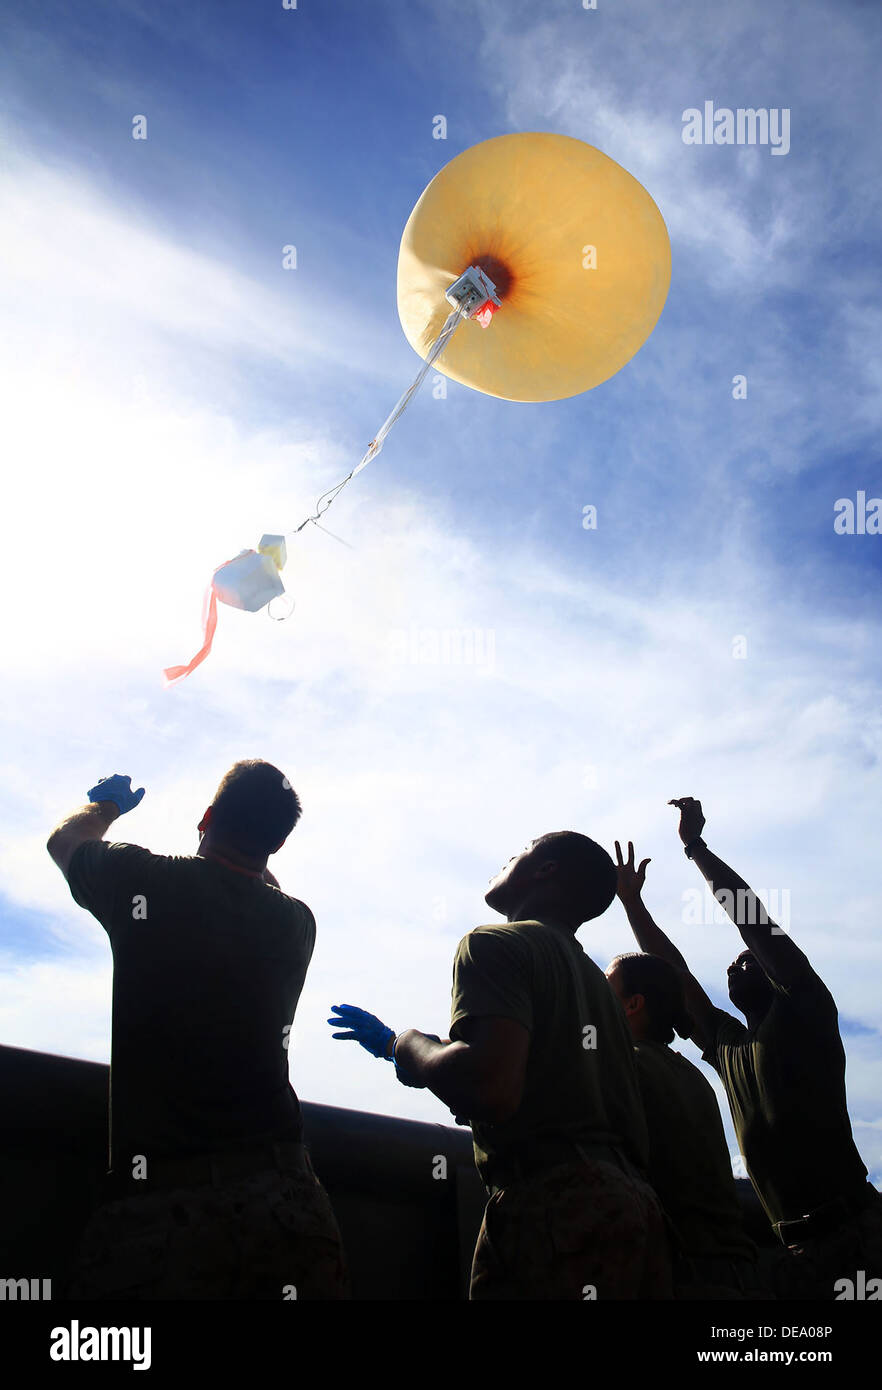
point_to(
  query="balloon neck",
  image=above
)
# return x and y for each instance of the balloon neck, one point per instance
(472, 293)
(497, 271)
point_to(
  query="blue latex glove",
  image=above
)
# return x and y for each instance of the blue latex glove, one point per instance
(117, 789)
(364, 1028)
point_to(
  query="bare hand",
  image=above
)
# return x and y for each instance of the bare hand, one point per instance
(691, 818)
(630, 880)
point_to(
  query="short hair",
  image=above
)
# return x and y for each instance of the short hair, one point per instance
(661, 985)
(587, 876)
(255, 808)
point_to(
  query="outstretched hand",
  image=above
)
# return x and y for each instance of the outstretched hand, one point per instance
(691, 818)
(117, 789)
(629, 880)
(364, 1028)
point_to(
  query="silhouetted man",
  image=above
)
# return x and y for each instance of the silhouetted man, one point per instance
(784, 1075)
(210, 1193)
(540, 1059)
(689, 1165)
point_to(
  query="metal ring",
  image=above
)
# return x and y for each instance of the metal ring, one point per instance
(280, 617)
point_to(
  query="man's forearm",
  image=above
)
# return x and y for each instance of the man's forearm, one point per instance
(90, 822)
(445, 1069)
(649, 935)
(746, 910)
(723, 879)
(779, 956)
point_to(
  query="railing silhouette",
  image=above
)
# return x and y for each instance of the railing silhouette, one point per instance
(408, 1233)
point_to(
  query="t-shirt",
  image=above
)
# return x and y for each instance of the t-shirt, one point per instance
(581, 1078)
(208, 965)
(785, 1080)
(689, 1164)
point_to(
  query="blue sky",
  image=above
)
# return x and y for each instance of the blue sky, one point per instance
(170, 393)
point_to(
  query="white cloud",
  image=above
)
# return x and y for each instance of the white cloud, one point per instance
(88, 268)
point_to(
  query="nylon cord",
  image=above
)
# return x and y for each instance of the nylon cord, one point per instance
(452, 322)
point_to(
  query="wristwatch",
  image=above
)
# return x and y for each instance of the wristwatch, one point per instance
(693, 844)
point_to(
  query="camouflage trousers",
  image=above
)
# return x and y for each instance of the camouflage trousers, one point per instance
(815, 1269)
(581, 1230)
(269, 1235)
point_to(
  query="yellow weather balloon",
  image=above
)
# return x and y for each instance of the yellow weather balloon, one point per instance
(576, 247)
(579, 262)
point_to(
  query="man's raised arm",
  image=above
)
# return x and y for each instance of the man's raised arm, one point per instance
(651, 939)
(109, 798)
(783, 962)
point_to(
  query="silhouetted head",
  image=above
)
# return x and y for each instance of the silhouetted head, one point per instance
(562, 875)
(254, 810)
(749, 987)
(651, 993)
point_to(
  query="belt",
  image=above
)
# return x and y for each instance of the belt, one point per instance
(825, 1218)
(538, 1155)
(209, 1170)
